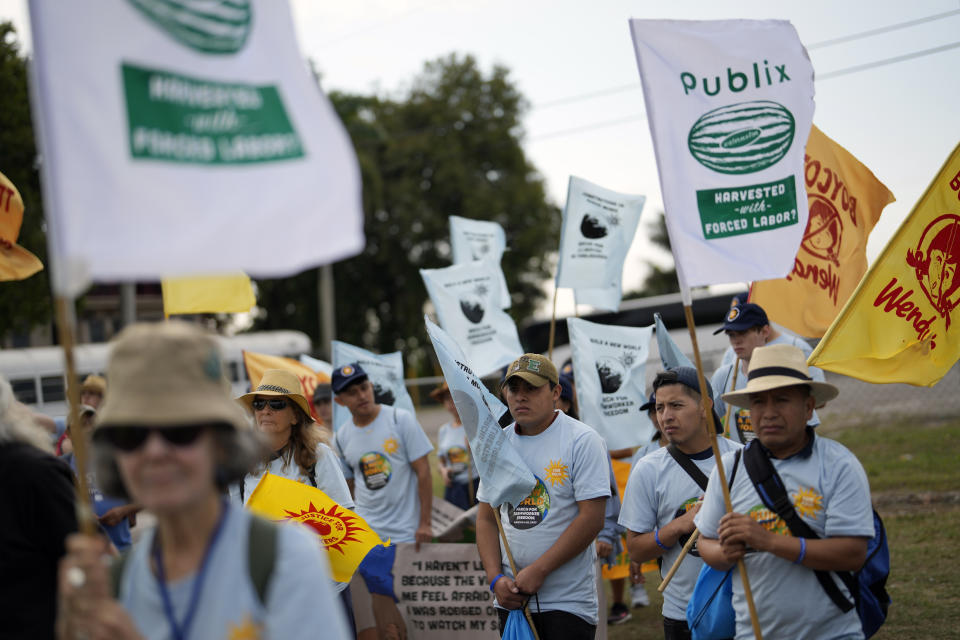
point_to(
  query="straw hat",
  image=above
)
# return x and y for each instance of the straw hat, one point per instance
(278, 382)
(168, 374)
(95, 384)
(776, 366)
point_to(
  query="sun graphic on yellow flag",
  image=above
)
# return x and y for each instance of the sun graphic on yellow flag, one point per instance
(335, 526)
(247, 630)
(807, 502)
(390, 445)
(556, 472)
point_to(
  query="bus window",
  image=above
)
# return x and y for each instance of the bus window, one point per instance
(25, 390)
(234, 372)
(52, 388)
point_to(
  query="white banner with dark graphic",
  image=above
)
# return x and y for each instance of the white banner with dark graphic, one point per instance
(472, 240)
(184, 138)
(598, 229)
(466, 299)
(730, 105)
(385, 372)
(609, 365)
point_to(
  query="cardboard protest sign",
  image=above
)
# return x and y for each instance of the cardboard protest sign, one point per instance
(598, 229)
(186, 138)
(730, 105)
(472, 240)
(609, 365)
(466, 299)
(385, 372)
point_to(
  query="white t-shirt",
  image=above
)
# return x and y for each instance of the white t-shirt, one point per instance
(299, 599)
(658, 491)
(722, 382)
(830, 491)
(452, 445)
(378, 458)
(571, 464)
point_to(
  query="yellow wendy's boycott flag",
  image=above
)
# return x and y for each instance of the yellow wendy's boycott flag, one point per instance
(900, 324)
(345, 535)
(845, 200)
(257, 363)
(208, 294)
(16, 263)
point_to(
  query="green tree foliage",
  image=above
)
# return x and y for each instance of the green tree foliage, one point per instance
(450, 145)
(25, 303)
(660, 280)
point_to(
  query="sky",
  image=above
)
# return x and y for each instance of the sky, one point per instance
(574, 62)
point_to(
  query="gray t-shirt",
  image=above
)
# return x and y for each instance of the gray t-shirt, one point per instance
(378, 458)
(658, 491)
(830, 492)
(570, 462)
(300, 598)
(453, 447)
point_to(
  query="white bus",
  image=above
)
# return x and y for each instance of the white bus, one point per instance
(37, 373)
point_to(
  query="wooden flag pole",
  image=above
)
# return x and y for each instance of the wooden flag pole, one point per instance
(65, 320)
(513, 568)
(553, 324)
(721, 475)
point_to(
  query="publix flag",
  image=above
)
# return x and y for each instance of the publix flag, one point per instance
(730, 104)
(901, 324)
(845, 200)
(183, 137)
(466, 298)
(598, 228)
(472, 240)
(609, 365)
(385, 372)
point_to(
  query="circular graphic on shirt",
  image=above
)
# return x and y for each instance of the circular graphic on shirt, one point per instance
(335, 526)
(459, 458)
(769, 520)
(376, 470)
(682, 540)
(744, 426)
(533, 509)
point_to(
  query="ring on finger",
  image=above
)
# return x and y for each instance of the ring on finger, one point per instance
(76, 578)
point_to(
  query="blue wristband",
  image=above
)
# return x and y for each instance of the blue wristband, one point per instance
(494, 581)
(656, 537)
(803, 551)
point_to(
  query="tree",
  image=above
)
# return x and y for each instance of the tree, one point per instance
(660, 280)
(26, 303)
(450, 145)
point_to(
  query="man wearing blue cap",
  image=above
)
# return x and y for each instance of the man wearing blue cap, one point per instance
(666, 487)
(747, 327)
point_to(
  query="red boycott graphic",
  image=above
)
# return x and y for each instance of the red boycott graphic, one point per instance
(824, 229)
(935, 262)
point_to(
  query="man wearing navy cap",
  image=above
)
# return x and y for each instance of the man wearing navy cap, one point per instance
(747, 327)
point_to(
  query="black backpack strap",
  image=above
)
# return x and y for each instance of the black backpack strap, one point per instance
(261, 555)
(692, 470)
(312, 475)
(769, 486)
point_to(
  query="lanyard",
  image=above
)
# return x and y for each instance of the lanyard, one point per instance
(180, 633)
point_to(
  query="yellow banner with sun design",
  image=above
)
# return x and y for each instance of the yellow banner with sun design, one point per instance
(345, 535)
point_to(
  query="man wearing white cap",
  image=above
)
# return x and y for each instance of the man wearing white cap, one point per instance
(825, 485)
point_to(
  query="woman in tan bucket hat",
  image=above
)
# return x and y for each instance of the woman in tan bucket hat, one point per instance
(170, 437)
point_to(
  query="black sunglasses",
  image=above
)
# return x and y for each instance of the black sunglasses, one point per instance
(277, 404)
(132, 438)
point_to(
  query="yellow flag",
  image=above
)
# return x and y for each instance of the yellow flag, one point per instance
(257, 363)
(207, 294)
(898, 326)
(16, 263)
(845, 200)
(345, 535)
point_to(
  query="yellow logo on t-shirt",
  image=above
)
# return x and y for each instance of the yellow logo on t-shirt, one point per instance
(390, 445)
(769, 520)
(807, 502)
(246, 630)
(556, 473)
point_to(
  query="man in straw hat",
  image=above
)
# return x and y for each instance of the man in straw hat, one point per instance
(662, 495)
(551, 532)
(827, 488)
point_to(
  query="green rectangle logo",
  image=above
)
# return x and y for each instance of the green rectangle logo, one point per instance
(734, 211)
(179, 119)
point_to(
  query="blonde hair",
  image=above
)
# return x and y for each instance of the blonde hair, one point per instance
(305, 437)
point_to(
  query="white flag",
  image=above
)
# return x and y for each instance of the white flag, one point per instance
(598, 229)
(506, 477)
(609, 365)
(730, 105)
(466, 298)
(186, 136)
(385, 372)
(472, 240)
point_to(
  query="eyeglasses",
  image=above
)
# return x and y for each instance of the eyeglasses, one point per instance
(132, 438)
(277, 404)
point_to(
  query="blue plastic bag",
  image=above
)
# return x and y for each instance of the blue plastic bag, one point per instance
(517, 627)
(710, 614)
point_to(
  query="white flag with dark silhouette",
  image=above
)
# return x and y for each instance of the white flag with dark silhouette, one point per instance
(472, 240)
(385, 372)
(466, 299)
(609, 365)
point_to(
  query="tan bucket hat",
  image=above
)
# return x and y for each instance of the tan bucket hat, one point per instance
(779, 365)
(168, 374)
(278, 382)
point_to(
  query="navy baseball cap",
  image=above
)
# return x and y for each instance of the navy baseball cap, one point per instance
(687, 376)
(322, 392)
(651, 402)
(742, 317)
(347, 375)
(566, 388)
